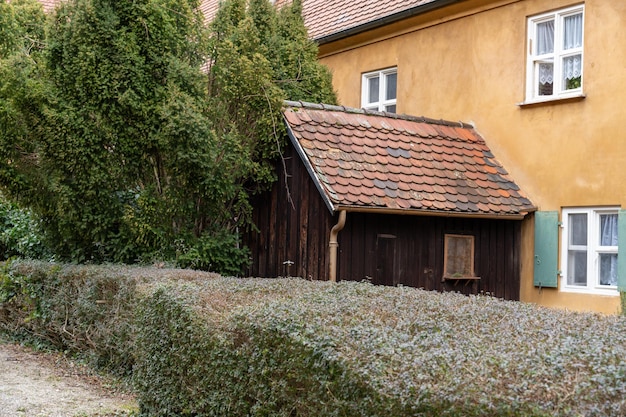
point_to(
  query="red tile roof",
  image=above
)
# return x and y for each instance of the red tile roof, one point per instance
(209, 8)
(324, 18)
(363, 160)
(49, 5)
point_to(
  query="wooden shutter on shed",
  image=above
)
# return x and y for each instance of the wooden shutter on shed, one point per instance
(621, 250)
(546, 248)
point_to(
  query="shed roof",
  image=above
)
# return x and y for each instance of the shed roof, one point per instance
(363, 160)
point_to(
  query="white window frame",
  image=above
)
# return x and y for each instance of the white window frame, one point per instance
(533, 59)
(593, 247)
(382, 103)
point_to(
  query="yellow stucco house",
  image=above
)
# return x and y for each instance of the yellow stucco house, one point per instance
(542, 80)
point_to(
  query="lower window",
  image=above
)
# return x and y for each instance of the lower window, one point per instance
(589, 257)
(458, 256)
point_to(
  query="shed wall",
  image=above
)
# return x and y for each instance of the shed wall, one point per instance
(294, 226)
(409, 250)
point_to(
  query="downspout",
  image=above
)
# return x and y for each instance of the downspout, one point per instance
(333, 244)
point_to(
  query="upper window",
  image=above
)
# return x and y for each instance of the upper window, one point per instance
(379, 90)
(555, 54)
(589, 257)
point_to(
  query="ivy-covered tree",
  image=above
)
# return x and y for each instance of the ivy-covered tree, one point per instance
(117, 136)
(259, 57)
(21, 119)
(21, 26)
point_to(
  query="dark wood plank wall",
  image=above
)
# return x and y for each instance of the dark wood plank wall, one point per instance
(294, 225)
(418, 252)
(299, 233)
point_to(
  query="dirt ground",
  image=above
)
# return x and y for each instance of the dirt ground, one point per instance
(37, 384)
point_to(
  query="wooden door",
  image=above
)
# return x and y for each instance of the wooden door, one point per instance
(385, 260)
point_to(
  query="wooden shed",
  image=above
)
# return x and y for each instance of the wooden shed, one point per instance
(393, 199)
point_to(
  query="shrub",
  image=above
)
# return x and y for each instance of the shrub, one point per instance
(218, 252)
(20, 233)
(203, 345)
(192, 367)
(290, 347)
(75, 309)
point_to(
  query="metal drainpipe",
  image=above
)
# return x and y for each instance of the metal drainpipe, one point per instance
(333, 244)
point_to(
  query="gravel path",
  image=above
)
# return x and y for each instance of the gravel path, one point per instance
(36, 384)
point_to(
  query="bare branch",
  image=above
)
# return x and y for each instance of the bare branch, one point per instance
(282, 158)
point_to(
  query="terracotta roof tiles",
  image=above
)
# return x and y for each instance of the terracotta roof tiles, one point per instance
(48, 5)
(325, 18)
(447, 167)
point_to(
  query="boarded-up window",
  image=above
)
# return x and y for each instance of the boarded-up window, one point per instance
(459, 256)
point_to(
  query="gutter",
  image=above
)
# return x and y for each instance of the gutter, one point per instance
(380, 210)
(374, 24)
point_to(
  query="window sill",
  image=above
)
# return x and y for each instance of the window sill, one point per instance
(456, 280)
(552, 100)
(612, 292)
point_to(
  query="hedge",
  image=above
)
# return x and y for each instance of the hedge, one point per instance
(197, 344)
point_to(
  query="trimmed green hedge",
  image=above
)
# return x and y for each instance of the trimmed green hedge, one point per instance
(197, 344)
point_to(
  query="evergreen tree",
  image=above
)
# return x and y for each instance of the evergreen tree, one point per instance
(127, 150)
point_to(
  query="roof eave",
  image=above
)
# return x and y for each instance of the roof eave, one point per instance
(392, 18)
(309, 167)
(437, 213)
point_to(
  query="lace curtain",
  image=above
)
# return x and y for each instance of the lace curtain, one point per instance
(546, 73)
(572, 67)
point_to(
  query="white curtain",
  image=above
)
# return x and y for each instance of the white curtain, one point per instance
(608, 269)
(608, 230)
(573, 32)
(545, 37)
(608, 237)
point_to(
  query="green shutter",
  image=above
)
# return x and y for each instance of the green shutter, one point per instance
(546, 248)
(621, 250)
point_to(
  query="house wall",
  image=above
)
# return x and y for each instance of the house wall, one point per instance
(468, 63)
